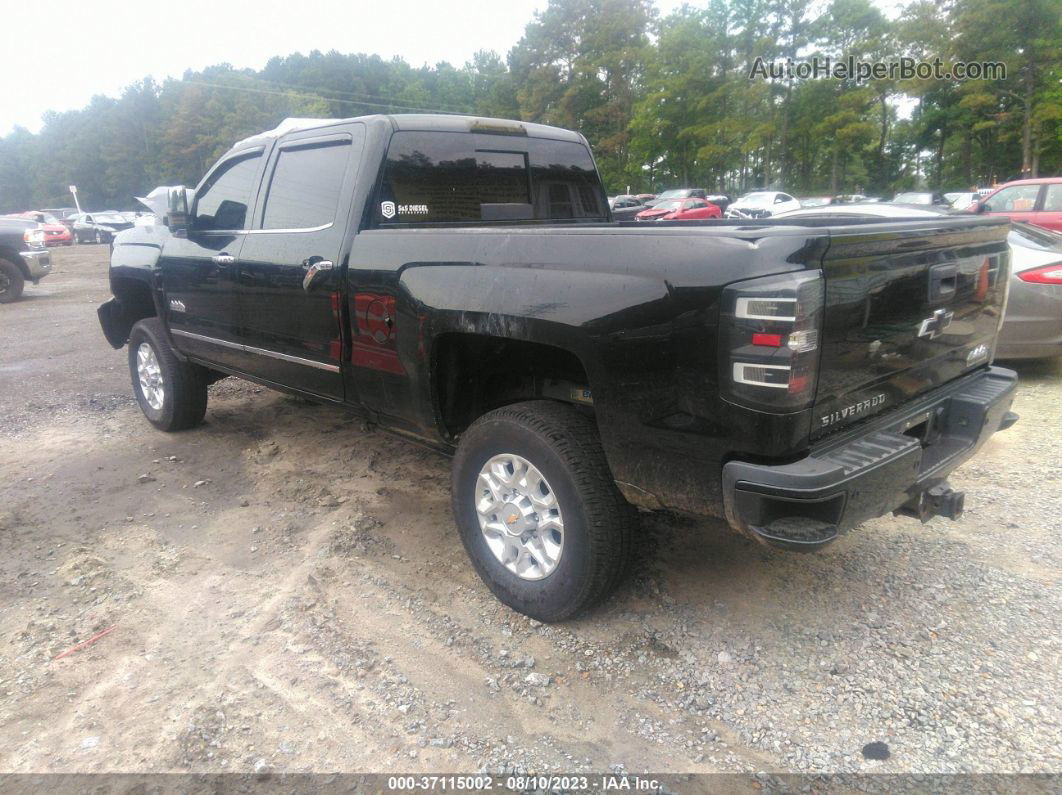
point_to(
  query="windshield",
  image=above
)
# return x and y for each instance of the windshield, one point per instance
(672, 194)
(913, 198)
(816, 202)
(108, 218)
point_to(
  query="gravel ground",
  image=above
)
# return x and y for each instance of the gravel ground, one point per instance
(288, 593)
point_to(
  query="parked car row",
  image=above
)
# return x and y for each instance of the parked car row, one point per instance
(63, 228)
(680, 204)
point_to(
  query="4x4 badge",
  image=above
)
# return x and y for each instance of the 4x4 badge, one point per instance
(933, 327)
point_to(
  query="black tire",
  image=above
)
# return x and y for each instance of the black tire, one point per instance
(99, 237)
(184, 399)
(564, 446)
(12, 282)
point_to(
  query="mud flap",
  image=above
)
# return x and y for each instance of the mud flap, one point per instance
(113, 322)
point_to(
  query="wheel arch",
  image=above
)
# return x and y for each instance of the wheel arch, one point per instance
(472, 374)
(12, 255)
(134, 299)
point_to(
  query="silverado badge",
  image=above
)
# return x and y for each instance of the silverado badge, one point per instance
(854, 410)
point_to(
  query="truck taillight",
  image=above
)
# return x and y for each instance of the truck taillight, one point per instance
(769, 336)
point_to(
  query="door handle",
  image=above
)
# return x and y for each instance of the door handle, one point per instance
(223, 259)
(313, 269)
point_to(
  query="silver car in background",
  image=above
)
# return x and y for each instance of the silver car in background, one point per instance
(1032, 327)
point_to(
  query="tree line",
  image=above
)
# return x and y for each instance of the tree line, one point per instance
(665, 101)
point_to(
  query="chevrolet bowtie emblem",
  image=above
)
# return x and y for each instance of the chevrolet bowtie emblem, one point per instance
(933, 327)
(512, 519)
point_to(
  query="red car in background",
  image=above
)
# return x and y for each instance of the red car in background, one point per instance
(55, 232)
(1035, 201)
(681, 210)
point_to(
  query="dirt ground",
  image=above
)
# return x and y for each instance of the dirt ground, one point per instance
(287, 592)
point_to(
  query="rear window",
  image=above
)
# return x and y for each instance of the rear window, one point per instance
(446, 177)
(306, 184)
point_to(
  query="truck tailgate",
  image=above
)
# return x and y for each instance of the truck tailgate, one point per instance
(908, 307)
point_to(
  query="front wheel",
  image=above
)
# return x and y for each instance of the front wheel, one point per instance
(99, 236)
(171, 393)
(537, 509)
(12, 282)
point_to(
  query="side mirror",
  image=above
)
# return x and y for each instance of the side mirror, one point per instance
(979, 207)
(177, 212)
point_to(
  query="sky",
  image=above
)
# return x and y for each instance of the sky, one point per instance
(60, 54)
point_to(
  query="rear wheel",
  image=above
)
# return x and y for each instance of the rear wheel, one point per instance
(171, 393)
(538, 512)
(12, 282)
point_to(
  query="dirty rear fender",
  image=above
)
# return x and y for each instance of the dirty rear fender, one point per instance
(622, 328)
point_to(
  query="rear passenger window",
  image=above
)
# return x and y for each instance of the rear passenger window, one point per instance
(446, 177)
(305, 187)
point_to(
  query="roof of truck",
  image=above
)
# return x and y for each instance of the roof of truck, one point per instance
(421, 121)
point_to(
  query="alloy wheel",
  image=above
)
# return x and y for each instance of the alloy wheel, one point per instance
(519, 516)
(150, 375)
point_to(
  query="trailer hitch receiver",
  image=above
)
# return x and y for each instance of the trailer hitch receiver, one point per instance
(941, 500)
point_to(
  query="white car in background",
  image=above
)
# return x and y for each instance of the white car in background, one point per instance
(761, 204)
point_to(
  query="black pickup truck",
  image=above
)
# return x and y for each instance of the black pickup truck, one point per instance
(23, 257)
(460, 280)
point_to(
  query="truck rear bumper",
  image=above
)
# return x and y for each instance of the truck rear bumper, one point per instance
(887, 464)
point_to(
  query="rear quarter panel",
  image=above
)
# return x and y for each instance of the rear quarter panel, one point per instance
(638, 309)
